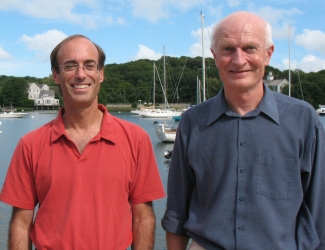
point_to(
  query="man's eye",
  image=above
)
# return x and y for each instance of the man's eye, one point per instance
(90, 66)
(250, 48)
(70, 67)
(228, 49)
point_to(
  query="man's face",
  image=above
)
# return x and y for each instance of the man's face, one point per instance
(241, 54)
(80, 83)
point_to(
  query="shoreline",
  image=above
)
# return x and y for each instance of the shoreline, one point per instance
(127, 107)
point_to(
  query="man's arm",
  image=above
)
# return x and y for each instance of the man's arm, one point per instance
(176, 242)
(19, 229)
(143, 226)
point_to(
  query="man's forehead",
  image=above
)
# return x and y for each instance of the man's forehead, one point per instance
(77, 47)
(241, 33)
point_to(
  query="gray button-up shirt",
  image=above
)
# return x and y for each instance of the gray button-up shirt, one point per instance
(249, 182)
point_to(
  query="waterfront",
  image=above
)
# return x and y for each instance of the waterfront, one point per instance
(14, 128)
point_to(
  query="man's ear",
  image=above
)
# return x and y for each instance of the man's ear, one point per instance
(269, 53)
(55, 75)
(101, 75)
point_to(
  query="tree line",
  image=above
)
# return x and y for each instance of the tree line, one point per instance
(137, 80)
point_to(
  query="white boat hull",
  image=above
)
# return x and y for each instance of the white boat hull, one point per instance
(321, 110)
(160, 114)
(164, 134)
(135, 111)
(12, 115)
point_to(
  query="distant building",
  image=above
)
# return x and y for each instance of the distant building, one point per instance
(43, 97)
(35, 89)
(275, 85)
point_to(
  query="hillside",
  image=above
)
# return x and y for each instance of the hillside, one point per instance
(133, 81)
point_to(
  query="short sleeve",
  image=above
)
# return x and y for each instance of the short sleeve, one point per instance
(19, 187)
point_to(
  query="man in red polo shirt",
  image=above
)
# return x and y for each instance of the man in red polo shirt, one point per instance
(93, 175)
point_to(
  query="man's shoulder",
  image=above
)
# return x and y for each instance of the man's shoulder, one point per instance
(292, 102)
(202, 109)
(295, 108)
(36, 136)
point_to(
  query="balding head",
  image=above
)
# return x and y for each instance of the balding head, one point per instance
(241, 19)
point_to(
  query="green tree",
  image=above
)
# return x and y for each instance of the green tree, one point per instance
(14, 91)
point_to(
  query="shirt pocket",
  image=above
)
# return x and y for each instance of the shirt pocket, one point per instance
(276, 177)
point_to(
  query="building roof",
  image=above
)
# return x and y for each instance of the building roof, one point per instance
(47, 93)
(275, 82)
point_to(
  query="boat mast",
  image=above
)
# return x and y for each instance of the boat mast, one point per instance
(154, 85)
(198, 90)
(203, 59)
(289, 61)
(165, 88)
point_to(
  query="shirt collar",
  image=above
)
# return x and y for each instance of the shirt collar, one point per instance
(267, 105)
(107, 130)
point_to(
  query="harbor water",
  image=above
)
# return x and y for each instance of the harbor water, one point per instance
(12, 129)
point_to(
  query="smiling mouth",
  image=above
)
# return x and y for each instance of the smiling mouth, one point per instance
(80, 86)
(239, 71)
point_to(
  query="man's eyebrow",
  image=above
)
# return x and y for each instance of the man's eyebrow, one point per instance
(86, 61)
(70, 61)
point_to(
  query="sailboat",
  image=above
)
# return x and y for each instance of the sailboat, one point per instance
(10, 113)
(142, 110)
(166, 132)
(162, 113)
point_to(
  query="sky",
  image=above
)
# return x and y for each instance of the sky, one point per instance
(129, 30)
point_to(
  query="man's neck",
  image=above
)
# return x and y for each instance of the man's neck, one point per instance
(82, 118)
(242, 102)
(81, 125)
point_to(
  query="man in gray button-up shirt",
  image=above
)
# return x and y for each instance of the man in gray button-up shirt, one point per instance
(248, 166)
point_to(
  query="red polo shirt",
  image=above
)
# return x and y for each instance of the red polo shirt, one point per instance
(84, 199)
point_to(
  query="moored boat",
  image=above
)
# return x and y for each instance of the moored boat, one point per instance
(321, 110)
(161, 113)
(166, 132)
(12, 114)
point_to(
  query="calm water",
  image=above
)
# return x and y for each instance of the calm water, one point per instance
(14, 128)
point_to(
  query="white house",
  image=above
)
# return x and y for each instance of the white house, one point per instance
(35, 89)
(46, 98)
(276, 85)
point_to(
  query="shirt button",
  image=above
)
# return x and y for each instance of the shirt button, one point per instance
(242, 143)
(242, 170)
(241, 198)
(241, 227)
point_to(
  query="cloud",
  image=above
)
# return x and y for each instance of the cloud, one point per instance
(111, 21)
(44, 43)
(4, 55)
(154, 10)
(309, 63)
(85, 13)
(233, 3)
(216, 12)
(279, 19)
(147, 53)
(151, 10)
(312, 40)
(196, 48)
(184, 5)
